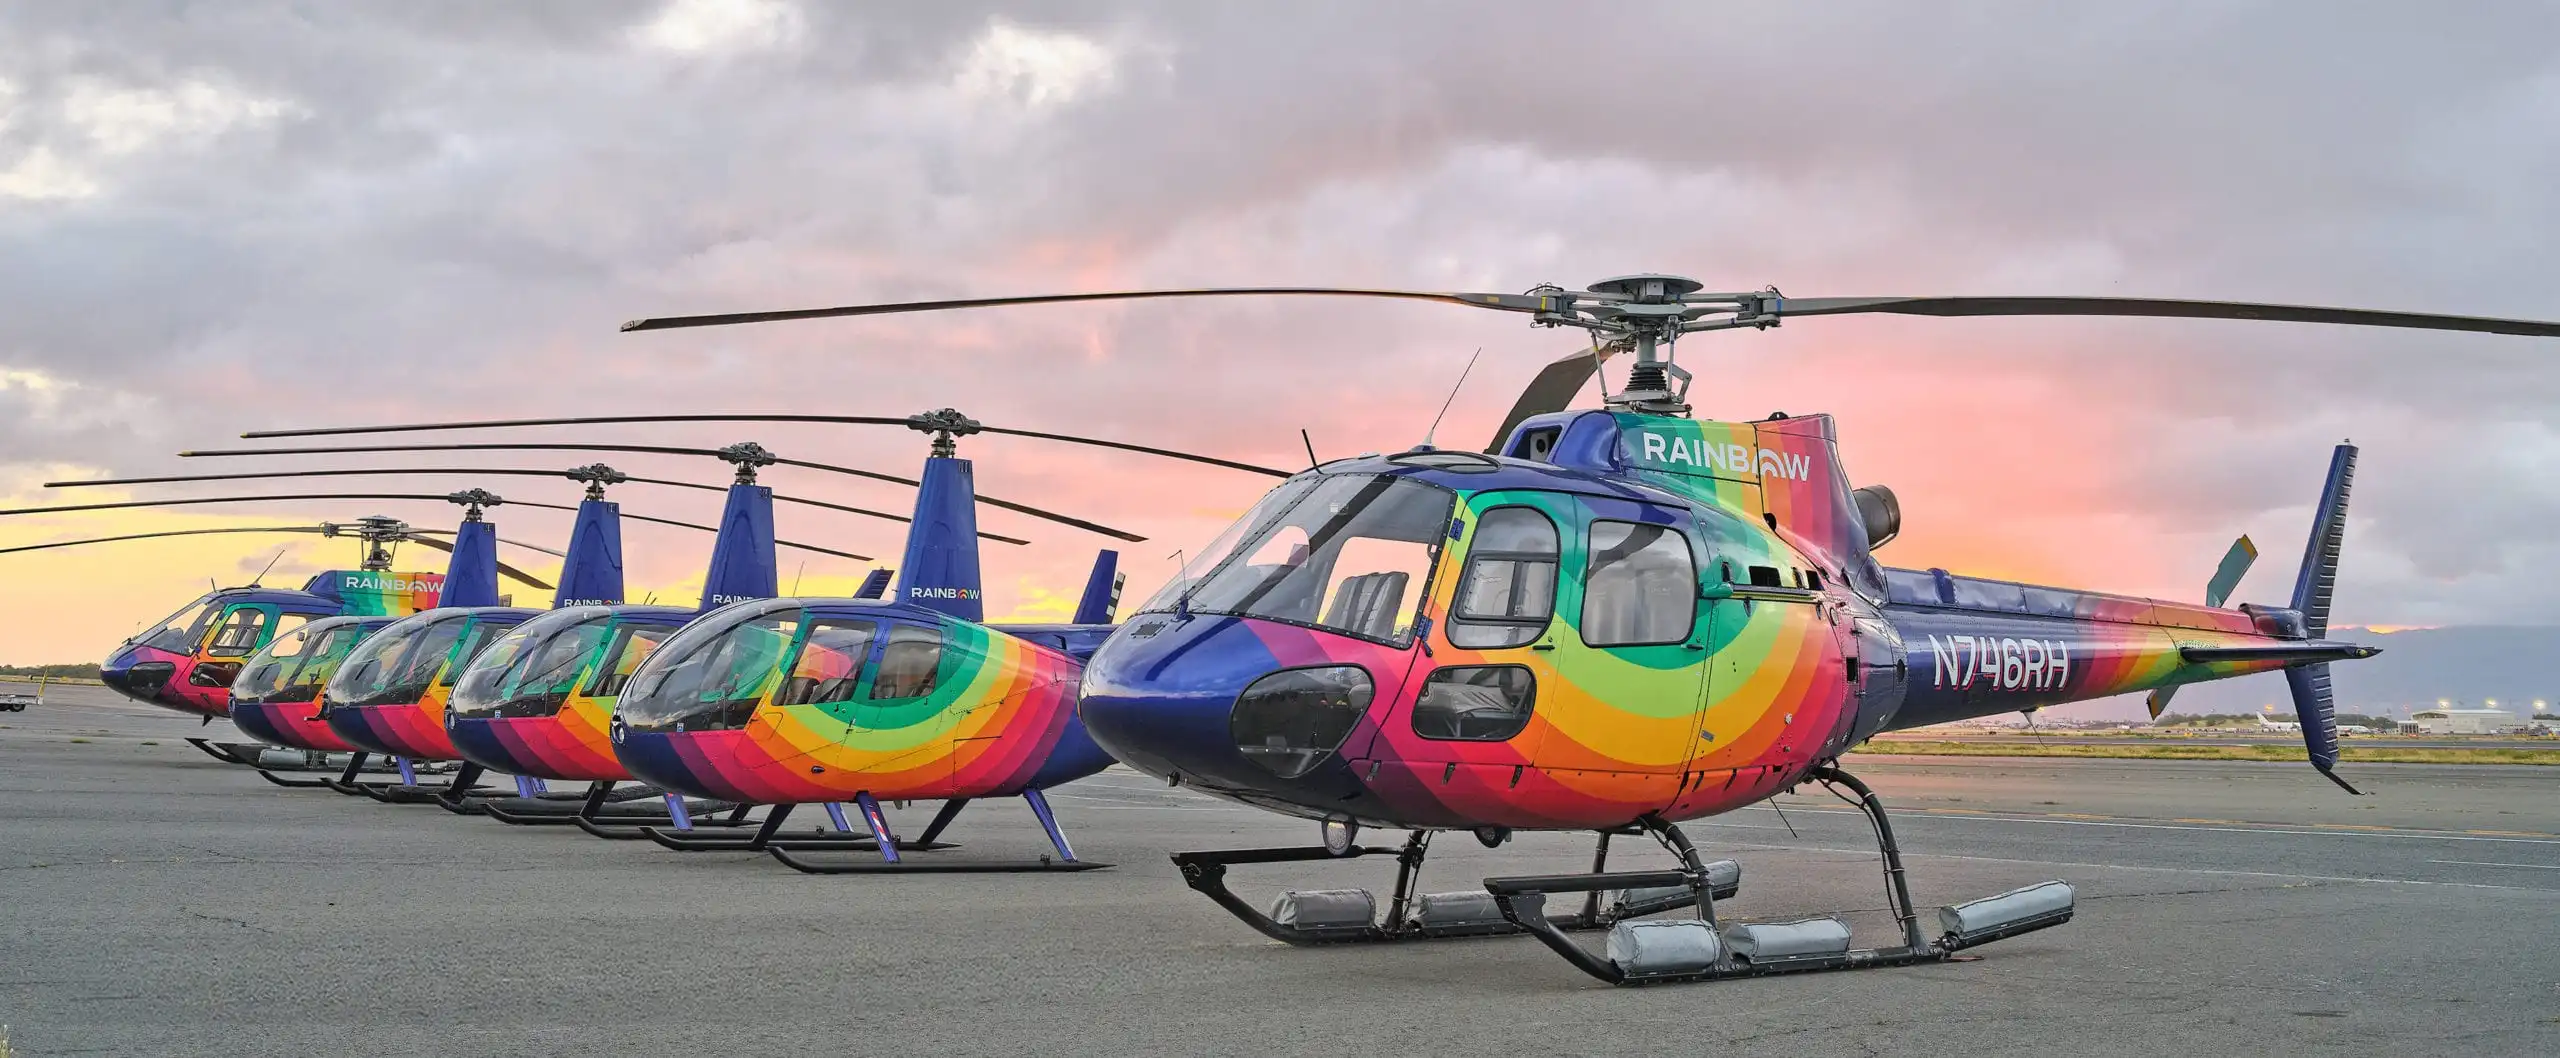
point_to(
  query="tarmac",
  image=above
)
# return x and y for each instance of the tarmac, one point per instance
(154, 901)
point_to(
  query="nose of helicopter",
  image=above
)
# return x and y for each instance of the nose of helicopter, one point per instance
(1226, 705)
(136, 672)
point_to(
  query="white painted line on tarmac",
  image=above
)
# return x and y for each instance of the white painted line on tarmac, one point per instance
(2479, 863)
(2341, 832)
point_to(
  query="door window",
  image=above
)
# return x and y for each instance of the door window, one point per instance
(1509, 589)
(1641, 587)
(239, 633)
(1475, 703)
(830, 663)
(909, 663)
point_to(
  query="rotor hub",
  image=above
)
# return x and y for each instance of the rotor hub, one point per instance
(747, 456)
(472, 500)
(945, 424)
(597, 476)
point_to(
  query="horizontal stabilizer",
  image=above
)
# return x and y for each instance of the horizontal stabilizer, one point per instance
(2290, 653)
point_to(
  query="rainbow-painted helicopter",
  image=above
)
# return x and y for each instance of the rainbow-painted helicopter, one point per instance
(1621, 618)
(792, 701)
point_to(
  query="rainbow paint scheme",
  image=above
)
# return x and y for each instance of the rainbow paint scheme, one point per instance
(188, 662)
(506, 718)
(276, 700)
(389, 696)
(999, 718)
(1798, 647)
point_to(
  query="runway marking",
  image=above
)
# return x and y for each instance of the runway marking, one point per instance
(2332, 830)
(1868, 854)
(2481, 863)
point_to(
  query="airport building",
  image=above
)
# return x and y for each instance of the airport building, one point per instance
(2443, 721)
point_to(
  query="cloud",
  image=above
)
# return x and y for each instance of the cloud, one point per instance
(272, 214)
(697, 27)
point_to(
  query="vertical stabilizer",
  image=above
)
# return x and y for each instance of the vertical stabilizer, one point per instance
(2314, 703)
(592, 573)
(941, 567)
(874, 584)
(1101, 591)
(742, 564)
(471, 578)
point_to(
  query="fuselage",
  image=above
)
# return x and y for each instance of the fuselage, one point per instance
(1645, 616)
(276, 699)
(188, 661)
(786, 701)
(389, 695)
(540, 701)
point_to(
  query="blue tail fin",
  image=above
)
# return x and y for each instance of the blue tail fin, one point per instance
(1101, 591)
(874, 584)
(592, 574)
(2313, 702)
(941, 567)
(471, 579)
(742, 565)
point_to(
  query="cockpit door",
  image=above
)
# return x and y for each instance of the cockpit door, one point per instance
(235, 634)
(1774, 665)
(1629, 650)
(1494, 643)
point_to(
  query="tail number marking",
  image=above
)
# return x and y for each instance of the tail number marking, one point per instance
(2008, 664)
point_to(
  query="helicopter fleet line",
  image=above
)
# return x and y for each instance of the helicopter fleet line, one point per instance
(1610, 621)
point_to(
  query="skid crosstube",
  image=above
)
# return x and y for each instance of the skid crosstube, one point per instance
(890, 848)
(1207, 872)
(1523, 901)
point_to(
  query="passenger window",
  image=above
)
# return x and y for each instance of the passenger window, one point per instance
(238, 635)
(481, 634)
(829, 664)
(907, 663)
(631, 645)
(1642, 587)
(1509, 589)
(1479, 703)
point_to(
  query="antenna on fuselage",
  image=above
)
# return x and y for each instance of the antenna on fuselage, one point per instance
(1427, 435)
(260, 579)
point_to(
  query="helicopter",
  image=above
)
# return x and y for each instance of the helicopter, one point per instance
(187, 660)
(1617, 619)
(280, 687)
(794, 701)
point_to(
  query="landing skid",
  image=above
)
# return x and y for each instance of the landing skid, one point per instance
(599, 805)
(1668, 952)
(1349, 916)
(768, 835)
(1660, 951)
(890, 849)
(227, 752)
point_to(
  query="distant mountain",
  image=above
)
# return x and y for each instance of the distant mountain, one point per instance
(2467, 664)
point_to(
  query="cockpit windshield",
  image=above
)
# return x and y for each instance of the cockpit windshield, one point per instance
(399, 664)
(298, 663)
(180, 633)
(711, 675)
(533, 669)
(1349, 553)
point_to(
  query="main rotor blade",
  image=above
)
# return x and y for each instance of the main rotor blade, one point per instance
(2163, 307)
(1552, 390)
(628, 516)
(663, 450)
(415, 533)
(522, 472)
(265, 499)
(502, 567)
(842, 420)
(153, 536)
(1509, 302)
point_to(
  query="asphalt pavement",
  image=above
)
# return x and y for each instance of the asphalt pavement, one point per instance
(154, 901)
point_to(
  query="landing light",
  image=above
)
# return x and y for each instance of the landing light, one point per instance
(1339, 833)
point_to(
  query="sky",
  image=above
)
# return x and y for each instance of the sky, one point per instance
(243, 215)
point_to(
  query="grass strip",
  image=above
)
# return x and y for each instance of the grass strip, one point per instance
(2119, 751)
